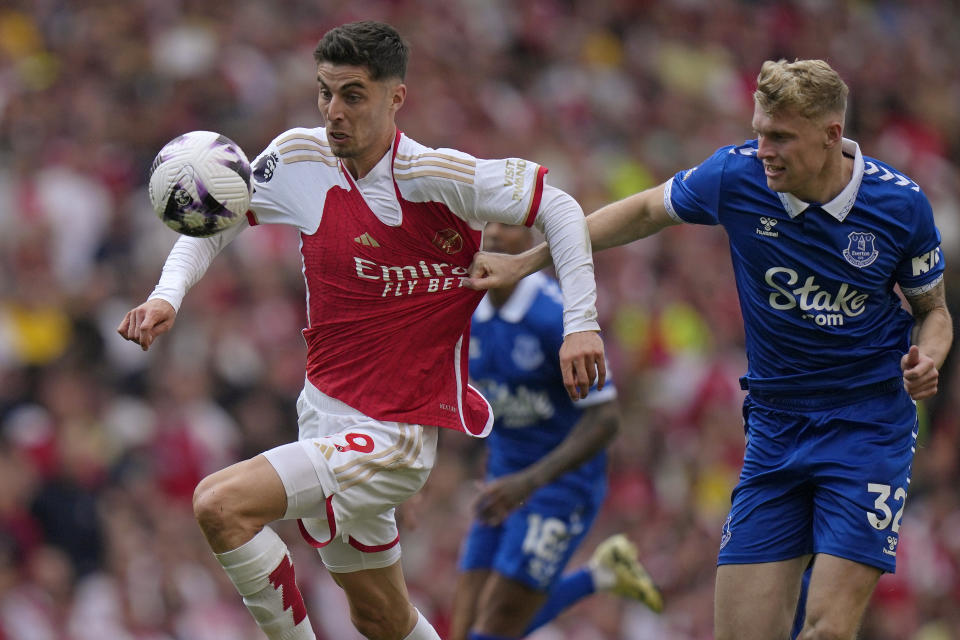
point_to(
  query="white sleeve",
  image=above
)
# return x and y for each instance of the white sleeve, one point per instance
(188, 261)
(562, 222)
(291, 178)
(507, 190)
(511, 191)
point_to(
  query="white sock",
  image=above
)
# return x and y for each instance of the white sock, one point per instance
(262, 572)
(423, 630)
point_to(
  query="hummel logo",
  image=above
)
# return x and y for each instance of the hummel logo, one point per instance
(768, 225)
(366, 240)
(891, 548)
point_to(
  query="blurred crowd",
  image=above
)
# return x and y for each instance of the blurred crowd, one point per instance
(101, 444)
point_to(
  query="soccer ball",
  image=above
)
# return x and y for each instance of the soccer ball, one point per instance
(200, 183)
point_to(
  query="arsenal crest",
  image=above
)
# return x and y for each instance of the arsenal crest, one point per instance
(448, 241)
(861, 251)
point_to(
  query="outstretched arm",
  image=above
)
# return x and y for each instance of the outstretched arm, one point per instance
(932, 337)
(582, 362)
(188, 261)
(145, 322)
(615, 224)
(595, 430)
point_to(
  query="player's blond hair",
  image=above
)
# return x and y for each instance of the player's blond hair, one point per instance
(810, 87)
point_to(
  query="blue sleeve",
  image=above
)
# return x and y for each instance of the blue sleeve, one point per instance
(922, 265)
(693, 195)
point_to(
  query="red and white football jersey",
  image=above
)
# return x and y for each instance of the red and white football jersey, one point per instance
(383, 260)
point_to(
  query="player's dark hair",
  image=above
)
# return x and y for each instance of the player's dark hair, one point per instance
(374, 45)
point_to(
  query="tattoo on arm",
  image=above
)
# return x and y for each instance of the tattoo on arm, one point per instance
(927, 301)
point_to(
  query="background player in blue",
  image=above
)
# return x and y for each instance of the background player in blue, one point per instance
(546, 469)
(820, 237)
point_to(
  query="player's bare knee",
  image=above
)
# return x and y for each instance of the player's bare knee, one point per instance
(217, 506)
(208, 504)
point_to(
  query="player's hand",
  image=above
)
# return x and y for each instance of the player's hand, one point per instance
(144, 323)
(498, 498)
(582, 363)
(920, 374)
(493, 270)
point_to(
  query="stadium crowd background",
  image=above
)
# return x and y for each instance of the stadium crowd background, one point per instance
(101, 444)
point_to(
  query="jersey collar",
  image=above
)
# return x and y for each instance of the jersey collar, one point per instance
(516, 307)
(383, 167)
(378, 189)
(840, 206)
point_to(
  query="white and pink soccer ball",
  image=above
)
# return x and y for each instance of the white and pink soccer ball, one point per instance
(200, 183)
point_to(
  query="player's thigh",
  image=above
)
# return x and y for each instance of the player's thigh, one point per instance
(478, 551)
(250, 490)
(839, 592)
(507, 606)
(465, 598)
(757, 601)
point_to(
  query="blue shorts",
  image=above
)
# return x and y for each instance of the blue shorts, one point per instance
(533, 544)
(822, 481)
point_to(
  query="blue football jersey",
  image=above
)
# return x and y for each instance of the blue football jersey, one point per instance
(514, 363)
(816, 280)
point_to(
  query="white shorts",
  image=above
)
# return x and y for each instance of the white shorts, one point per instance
(344, 477)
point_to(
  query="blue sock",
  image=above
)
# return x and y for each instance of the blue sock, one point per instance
(570, 589)
(475, 635)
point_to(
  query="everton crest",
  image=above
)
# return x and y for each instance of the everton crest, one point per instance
(527, 354)
(861, 251)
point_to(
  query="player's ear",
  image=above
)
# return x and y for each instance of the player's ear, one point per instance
(833, 134)
(398, 95)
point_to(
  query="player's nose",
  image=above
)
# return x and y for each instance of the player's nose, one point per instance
(764, 148)
(334, 108)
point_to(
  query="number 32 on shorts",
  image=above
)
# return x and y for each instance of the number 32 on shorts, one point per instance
(882, 505)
